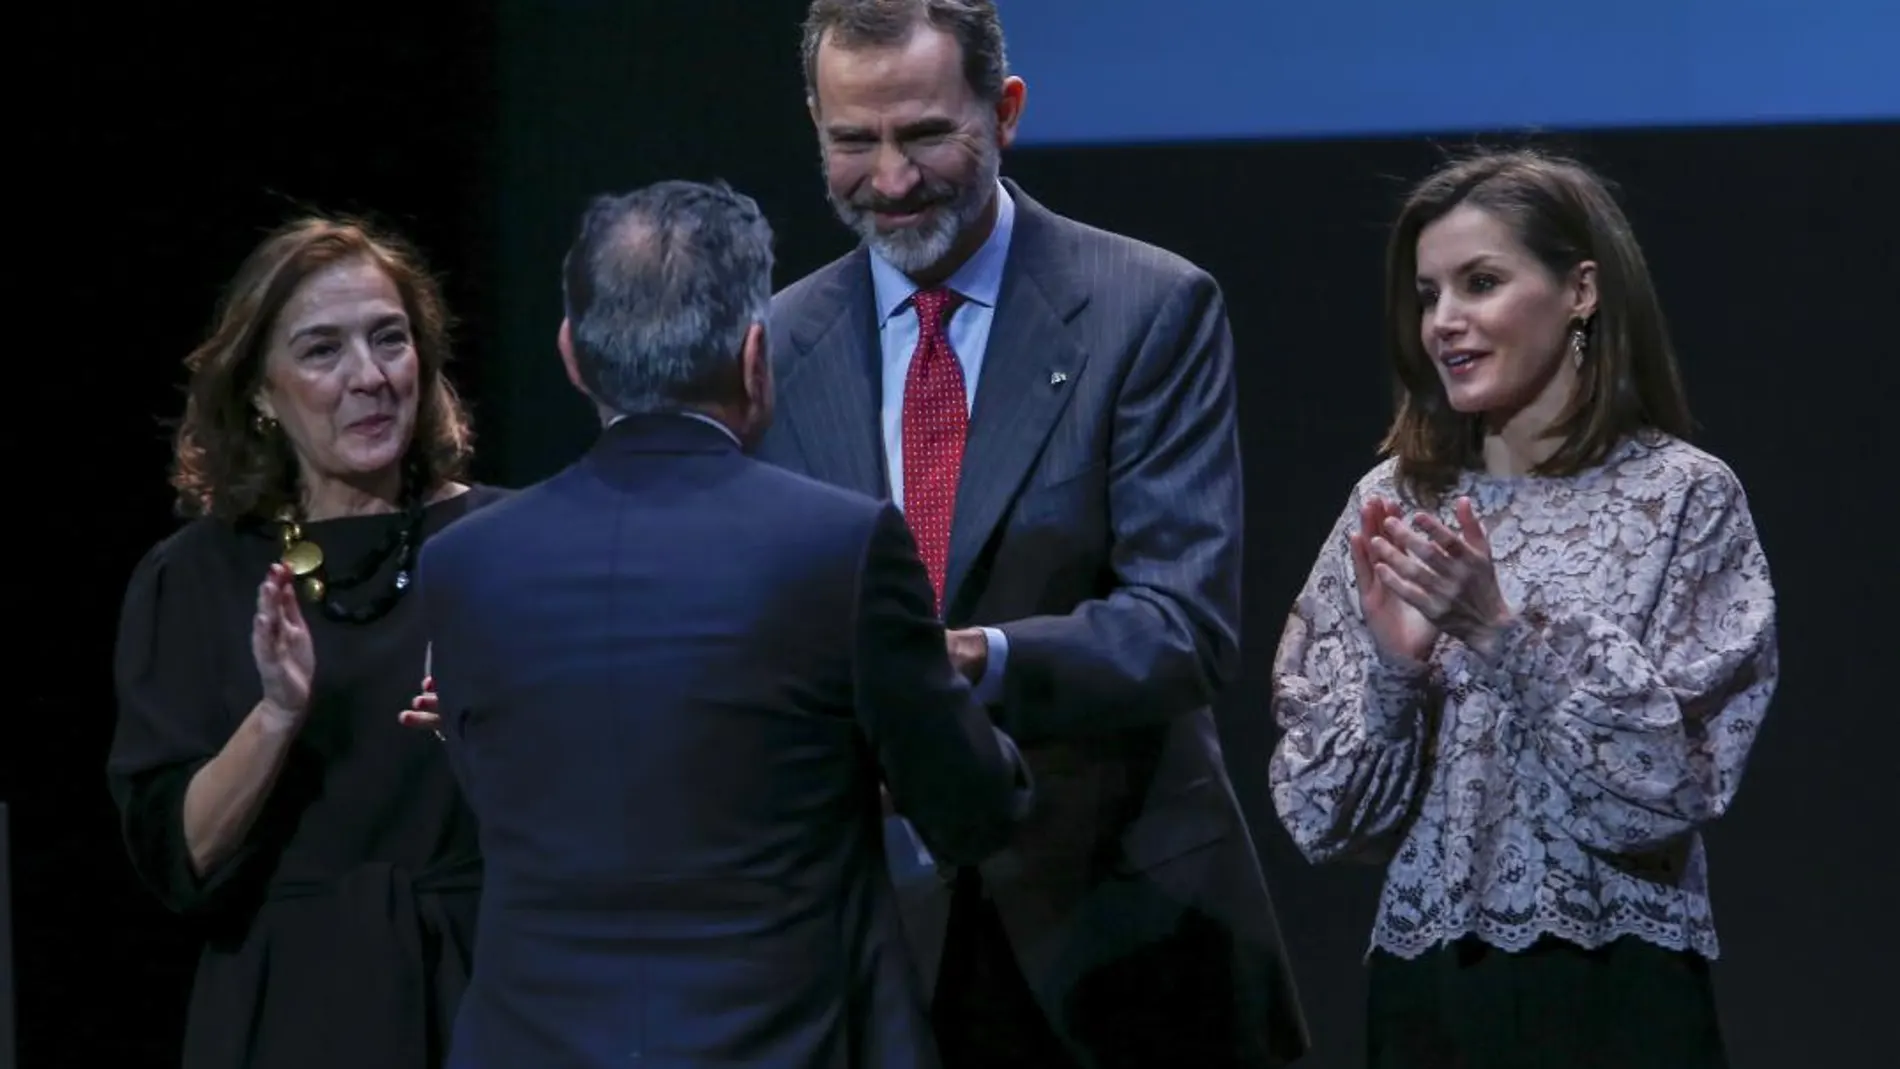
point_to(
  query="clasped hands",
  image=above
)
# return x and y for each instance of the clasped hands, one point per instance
(1420, 578)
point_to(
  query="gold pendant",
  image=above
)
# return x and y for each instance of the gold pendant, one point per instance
(312, 588)
(302, 558)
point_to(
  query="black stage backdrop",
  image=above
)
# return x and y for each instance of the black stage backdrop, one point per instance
(162, 148)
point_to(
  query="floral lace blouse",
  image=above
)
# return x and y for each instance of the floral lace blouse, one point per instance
(1555, 789)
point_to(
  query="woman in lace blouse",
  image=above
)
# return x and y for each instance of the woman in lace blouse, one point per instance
(1535, 650)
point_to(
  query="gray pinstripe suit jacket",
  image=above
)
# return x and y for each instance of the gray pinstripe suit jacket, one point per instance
(1098, 524)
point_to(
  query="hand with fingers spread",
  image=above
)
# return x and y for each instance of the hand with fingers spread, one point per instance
(1401, 631)
(1446, 576)
(280, 644)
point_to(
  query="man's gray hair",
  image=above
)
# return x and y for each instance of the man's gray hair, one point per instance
(661, 285)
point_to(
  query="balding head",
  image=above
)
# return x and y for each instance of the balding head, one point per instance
(664, 285)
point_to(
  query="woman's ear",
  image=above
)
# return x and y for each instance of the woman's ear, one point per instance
(1583, 283)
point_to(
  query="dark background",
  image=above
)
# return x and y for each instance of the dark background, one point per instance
(159, 147)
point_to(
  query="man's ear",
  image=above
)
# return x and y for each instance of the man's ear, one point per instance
(1009, 110)
(755, 363)
(564, 341)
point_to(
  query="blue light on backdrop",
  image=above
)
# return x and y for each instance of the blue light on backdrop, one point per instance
(1141, 70)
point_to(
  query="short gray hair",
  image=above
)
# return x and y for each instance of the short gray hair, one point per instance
(661, 286)
(974, 24)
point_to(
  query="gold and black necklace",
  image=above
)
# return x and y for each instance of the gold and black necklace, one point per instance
(321, 587)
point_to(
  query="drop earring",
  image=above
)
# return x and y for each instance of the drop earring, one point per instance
(1577, 343)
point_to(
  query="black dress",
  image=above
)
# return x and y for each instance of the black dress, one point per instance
(340, 934)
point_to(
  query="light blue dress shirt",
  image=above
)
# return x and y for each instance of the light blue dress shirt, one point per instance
(978, 281)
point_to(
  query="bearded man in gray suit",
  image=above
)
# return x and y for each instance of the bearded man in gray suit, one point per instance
(1053, 408)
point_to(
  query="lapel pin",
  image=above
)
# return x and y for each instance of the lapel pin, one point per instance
(1057, 378)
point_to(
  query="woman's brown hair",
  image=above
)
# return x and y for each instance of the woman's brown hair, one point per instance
(226, 462)
(1564, 214)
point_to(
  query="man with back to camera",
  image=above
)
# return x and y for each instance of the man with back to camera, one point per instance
(1053, 408)
(671, 677)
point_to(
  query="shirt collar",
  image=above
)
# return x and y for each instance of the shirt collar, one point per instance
(979, 280)
(700, 416)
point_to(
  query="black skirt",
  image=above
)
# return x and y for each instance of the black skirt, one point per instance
(1627, 1005)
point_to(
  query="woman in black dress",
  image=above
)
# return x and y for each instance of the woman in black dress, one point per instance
(265, 789)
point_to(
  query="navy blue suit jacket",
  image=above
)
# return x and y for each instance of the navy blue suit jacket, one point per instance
(671, 678)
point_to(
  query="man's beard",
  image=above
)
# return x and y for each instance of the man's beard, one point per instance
(953, 211)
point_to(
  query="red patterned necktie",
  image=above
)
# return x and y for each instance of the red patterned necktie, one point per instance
(936, 417)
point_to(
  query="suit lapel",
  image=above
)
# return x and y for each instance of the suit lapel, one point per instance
(829, 390)
(1029, 371)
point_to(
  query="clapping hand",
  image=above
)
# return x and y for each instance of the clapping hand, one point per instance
(280, 644)
(1444, 576)
(1402, 632)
